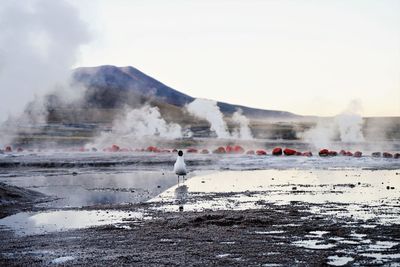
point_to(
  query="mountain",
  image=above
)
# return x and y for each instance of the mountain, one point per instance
(110, 86)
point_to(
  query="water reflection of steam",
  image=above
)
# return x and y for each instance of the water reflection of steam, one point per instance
(181, 194)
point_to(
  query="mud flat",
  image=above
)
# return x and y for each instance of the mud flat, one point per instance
(271, 236)
(276, 217)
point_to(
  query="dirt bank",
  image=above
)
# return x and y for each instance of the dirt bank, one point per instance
(15, 199)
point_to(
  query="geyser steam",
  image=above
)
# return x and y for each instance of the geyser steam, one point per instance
(347, 126)
(137, 125)
(39, 44)
(244, 129)
(350, 123)
(208, 110)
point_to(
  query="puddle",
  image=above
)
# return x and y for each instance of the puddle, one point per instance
(317, 234)
(29, 223)
(223, 255)
(381, 258)
(98, 188)
(268, 232)
(312, 244)
(339, 261)
(382, 245)
(62, 260)
(349, 193)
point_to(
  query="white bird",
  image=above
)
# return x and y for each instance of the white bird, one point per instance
(180, 166)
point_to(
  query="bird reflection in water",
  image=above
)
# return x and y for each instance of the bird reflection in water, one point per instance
(181, 194)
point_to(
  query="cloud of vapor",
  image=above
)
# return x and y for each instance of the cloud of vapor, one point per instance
(39, 43)
(350, 123)
(321, 135)
(136, 126)
(244, 131)
(209, 110)
(346, 127)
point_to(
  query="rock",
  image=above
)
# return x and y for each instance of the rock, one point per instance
(376, 154)
(342, 153)
(349, 154)
(250, 152)
(358, 154)
(307, 154)
(277, 151)
(396, 155)
(8, 149)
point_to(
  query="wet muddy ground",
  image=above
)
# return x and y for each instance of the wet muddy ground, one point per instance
(301, 213)
(271, 236)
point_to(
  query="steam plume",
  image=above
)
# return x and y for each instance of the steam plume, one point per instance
(137, 125)
(244, 129)
(350, 123)
(208, 110)
(39, 44)
(347, 126)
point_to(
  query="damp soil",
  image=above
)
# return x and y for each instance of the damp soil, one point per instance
(272, 235)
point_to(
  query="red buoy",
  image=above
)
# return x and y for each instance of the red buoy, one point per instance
(332, 153)
(261, 152)
(238, 149)
(323, 153)
(250, 152)
(192, 150)
(219, 150)
(229, 149)
(289, 152)
(8, 149)
(307, 154)
(277, 151)
(114, 148)
(205, 151)
(387, 155)
(152, 149)
(358, 154)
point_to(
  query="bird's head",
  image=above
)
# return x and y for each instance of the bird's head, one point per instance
(180, 153)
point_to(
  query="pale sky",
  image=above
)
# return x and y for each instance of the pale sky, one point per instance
(306, 57)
